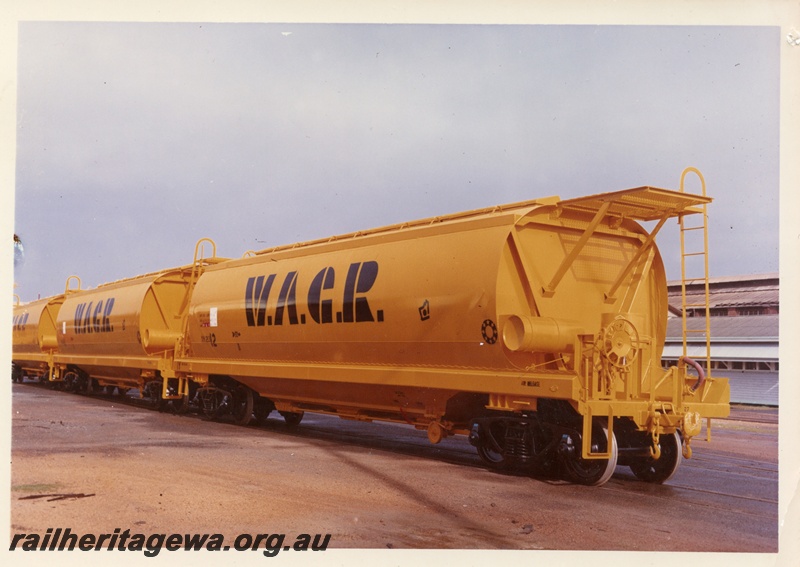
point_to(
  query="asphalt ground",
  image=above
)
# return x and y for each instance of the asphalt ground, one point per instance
(95, 464)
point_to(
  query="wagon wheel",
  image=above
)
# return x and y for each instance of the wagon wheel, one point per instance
(491, 453)
(242, 410)
(591, 472)
(83, 384)
(661, 470)
(69, 382)
(261, 410)
(292, 418)
(152, 394)
(211, 402)
(180, 406)
(491, 457)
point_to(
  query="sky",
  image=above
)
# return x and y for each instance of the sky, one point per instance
(134, 140)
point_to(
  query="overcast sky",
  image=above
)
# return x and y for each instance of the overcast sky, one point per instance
(134, 140)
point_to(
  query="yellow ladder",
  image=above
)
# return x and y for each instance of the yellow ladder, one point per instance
(685, 280)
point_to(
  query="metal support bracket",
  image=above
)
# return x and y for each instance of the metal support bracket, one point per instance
(586, 435)
(550, 289)
(640, 204)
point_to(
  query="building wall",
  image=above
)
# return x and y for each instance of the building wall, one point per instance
(744, 333)
(752, 381)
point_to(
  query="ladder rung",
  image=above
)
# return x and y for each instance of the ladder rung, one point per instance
(695, 307)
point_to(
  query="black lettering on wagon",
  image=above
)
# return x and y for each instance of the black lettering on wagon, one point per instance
(321, 297)
(287, 300)
(20, 321)
(94, 317)
(255, 300)
(360, 278)
(321, 310)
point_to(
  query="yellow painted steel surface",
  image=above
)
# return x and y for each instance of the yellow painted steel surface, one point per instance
(119, 329)
(34, 333)
(457, 324)
(492, 302)
(435, 296)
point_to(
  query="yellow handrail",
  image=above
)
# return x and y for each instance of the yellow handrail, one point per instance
(67, 289)
(684, 279)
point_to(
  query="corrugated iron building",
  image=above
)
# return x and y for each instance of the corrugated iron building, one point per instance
(744, 333)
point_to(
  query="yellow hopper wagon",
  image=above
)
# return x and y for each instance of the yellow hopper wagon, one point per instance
(33, 338)
(123, 334)
(535, 329)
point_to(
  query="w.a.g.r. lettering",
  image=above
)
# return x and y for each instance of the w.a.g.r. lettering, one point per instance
(20, 321)
(94, 317)
(325, 305)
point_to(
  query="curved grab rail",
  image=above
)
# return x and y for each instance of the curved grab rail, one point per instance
(196, 270)
(700, 175)
(67, 289)
(17, 300)
(198, 247)
(701, 375)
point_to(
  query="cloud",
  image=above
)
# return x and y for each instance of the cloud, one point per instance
(134, 139)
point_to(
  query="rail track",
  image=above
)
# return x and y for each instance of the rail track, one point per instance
(754, 414)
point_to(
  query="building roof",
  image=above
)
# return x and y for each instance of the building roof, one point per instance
(743, 328)
(733, 279)
(734, 337)
(725, 351)
(762, 296)
(761, 290)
